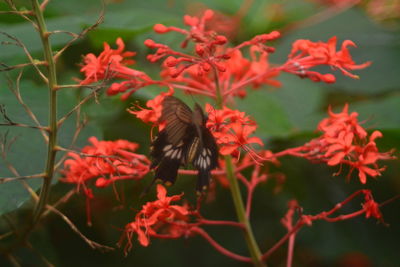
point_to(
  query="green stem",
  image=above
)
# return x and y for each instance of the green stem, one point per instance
(237, 195)
(52, 129)
(241, 213)
(219, 100)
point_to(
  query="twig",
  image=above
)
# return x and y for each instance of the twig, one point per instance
(40, 256)
(73, 141)
(220, 248)
(22, 13)
(26, 51)
(5, 235)
(24, 177)
(19, 66)
(15, 89)
(11, 123)
(77, 107)
(12, 169)
(62, 200)
(44, 4)
(13, 260)
(99, 20)
(91, 243)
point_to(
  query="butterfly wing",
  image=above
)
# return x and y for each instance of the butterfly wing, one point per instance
(178, 118)
(166, 157)
(168, 149)
(206, 156)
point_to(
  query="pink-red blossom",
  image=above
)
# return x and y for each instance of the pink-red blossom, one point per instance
(232, 130)
(112, 63)
(104, 162)
(306, 54)
(345, 141)
(159, 218)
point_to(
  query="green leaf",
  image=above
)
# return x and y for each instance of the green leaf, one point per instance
(287, 110)
(271, 118)
(381, 113)
(27, 152)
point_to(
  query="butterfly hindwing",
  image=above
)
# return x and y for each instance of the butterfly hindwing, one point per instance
(206, 159)
(167, 157)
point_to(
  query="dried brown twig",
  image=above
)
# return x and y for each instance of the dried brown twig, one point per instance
(15, 89)
(32, 61)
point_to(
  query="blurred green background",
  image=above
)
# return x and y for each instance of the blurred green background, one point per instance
(287, 117)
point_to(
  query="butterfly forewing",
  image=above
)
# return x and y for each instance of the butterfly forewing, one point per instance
(178, 117)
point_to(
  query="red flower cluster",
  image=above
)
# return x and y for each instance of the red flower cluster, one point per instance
(206, 47)
(105, 161)
(159, 219)
(113, 64)
(306, 55)
(213, 69)
(192, 73)
(231, 129)
(344, 141)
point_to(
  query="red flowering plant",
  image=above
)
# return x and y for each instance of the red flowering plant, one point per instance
(220, 143)
(105, 162)
(222, 72)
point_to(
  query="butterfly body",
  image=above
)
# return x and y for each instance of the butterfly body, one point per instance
(185, 140)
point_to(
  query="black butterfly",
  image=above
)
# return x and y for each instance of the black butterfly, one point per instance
(185, 139)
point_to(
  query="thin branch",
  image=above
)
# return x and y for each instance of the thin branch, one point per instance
(13, 260)
(63, 86)
(26, 51)
(227, 223)
(220, 248)
(15, 89)
(294, 230)
(4, 148)
(22, 125)
(62, 200)
(3, 112)
(91, 243)
(22, 13)
(78, 106)
(24, 177)
(44, 4)
(20, 66)
(5, 235)
(73, 141)
(40, 256)
(99, 20)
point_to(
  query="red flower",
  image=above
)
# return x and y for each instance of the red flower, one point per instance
(306, 55)
(105, 161)
(231, 129)
(112, 64)
(344, 141)
(153, 114)
(195, 74)
(372, 208)
(158, 218)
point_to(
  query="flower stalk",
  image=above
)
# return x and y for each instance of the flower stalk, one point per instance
(237, 196)
(52, 128)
